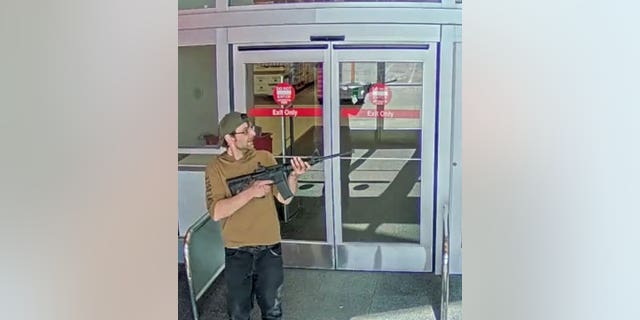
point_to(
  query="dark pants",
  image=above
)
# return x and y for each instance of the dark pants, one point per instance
(254, 271)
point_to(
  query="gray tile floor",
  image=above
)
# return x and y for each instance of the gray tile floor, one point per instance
(351, 295)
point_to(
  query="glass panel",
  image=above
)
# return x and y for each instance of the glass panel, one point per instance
(197, 97)
(250, 2)
(206, 253)
(383, 199)
(395, 122)
(403, 111)
(196, 4)
(295, 130)
(380, 184)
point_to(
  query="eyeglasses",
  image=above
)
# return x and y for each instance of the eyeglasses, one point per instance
(246, 130)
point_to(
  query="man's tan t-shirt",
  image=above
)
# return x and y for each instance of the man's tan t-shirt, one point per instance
(256, 223)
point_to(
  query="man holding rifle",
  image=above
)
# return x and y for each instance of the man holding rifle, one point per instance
(249, 220)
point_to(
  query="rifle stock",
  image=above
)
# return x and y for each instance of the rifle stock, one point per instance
(278, 173)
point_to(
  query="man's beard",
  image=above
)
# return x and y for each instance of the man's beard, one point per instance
(248, 146)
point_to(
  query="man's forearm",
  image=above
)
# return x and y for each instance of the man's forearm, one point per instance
(226, 207)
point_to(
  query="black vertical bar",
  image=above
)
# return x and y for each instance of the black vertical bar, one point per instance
(231, 99)
(379, 107)
(291, 137)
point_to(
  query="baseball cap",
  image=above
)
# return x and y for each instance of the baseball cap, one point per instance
(231, 121)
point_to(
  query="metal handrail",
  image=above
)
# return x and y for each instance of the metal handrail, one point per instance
(187, 241)
(444, 301)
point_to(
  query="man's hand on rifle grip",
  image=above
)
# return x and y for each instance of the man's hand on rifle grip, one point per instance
(260, 188)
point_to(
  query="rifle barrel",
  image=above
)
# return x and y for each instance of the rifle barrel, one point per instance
(314, 160)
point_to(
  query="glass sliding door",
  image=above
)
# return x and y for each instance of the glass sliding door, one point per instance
(383, 104)
(295, 129)
(371, 209)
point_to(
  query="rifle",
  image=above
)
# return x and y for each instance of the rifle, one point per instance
(278, 173)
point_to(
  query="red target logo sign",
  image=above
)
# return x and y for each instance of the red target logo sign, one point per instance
(283, 93)
(380, 94)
